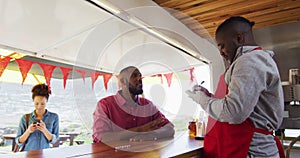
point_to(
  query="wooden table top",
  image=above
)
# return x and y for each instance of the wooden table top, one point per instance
(13, 136)
(178, 146)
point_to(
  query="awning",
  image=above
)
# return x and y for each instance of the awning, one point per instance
(79, 34)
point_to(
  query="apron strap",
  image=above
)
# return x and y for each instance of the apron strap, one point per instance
(258, 130)
(280, 148)
(278, 143)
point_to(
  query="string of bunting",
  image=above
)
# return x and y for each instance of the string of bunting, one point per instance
(25, 66)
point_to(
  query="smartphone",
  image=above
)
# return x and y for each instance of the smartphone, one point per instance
(36, 121)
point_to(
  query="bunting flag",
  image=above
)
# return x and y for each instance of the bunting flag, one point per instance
(48, 70)
(94, 77)
(192, 74)
(65, 72)
(169, 78)
(82, 73)
(3, 63)
(161, 79)
(24, 67)
(106, 78)
(159, 75)
(119, 84)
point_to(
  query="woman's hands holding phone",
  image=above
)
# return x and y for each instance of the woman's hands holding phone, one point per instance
(41, 126)
(37, 125)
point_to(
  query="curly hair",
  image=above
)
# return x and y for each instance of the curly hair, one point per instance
(41, 90)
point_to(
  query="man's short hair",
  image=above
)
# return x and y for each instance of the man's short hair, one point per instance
(233, 20)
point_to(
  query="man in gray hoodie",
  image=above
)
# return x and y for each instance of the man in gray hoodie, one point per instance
(250, 108)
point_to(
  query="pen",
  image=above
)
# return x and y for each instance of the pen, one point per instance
(198, 87)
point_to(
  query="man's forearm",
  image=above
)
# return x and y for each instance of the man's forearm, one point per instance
(165, 131)
(116, 136)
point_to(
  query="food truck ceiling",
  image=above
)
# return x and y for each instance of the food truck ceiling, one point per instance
(80, 34)
(212, 13)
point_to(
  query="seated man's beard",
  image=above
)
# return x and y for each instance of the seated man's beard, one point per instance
(135, 91)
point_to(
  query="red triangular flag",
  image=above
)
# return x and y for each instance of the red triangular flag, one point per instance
(161, 79)
(94, 77)
(106, 78)
(48, 70)
(169, 78)
(24, 67)
(82, 73)
(65, 72)
(159, 75)
(3, 63)
(119, 84)
(192, 74)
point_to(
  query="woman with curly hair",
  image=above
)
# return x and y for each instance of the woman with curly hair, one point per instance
(42, 127)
